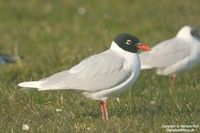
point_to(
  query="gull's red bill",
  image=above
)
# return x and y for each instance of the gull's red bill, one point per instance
(144, 47)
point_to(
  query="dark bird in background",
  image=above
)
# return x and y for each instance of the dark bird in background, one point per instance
(9, 59)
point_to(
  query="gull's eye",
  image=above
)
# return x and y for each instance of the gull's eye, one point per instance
(128, 42)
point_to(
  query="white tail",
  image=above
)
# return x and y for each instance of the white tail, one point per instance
(30, 85)
(145, 67)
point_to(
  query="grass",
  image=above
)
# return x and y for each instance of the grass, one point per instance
(52, 36)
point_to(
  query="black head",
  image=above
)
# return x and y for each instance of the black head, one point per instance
(195, 33)
(129, 43)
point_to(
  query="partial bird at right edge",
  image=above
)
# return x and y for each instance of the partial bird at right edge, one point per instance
(175, 55)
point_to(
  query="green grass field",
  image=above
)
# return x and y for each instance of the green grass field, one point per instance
(53, 36)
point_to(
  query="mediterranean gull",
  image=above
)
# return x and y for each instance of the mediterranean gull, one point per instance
(99, 76)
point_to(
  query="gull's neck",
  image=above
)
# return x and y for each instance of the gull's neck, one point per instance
(119, 50)
(185, 33)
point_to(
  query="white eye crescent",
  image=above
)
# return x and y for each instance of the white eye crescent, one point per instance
(128, 42)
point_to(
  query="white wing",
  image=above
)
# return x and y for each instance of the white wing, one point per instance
(165, 54)
(98, 72)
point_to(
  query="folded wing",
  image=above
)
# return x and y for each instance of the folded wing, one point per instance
(165, 54)
(98, 72)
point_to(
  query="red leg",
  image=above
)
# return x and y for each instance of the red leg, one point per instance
(104, 110)
(173, 78)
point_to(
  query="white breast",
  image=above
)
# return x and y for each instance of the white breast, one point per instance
(131, 63)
